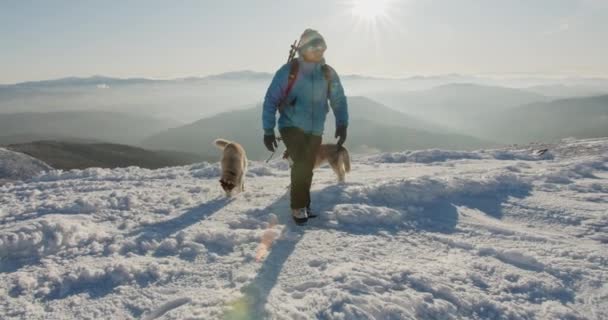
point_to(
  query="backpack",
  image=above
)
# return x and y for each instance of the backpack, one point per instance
(294, 67)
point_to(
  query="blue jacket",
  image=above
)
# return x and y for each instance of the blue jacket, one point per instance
(309, 97)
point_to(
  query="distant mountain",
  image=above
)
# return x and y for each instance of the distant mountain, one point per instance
(69, 155)
(366, 136)
(449, 78)
(112, 81)
(465, 97)
(466, 92)
(373, 127)
(30, 137)
(458, 105)
(242, 126)
(530, 81)
(568, 91)
(370, 110)
(79, 125)
(550, 121)
(240, 75)
(266, 76)
(184, 100)
(506, 115)
(81, 81)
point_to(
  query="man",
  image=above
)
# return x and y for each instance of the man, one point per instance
(303, 105)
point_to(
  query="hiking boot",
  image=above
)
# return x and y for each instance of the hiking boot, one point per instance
(299, 216)
(311, 214)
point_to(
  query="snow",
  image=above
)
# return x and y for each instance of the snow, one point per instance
(435, 155)
(487, 234)
(19, 166)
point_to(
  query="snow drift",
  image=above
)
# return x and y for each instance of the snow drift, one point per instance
(19, 166)
(490, 234)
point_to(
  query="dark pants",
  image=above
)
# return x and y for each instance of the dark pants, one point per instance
(302, 149)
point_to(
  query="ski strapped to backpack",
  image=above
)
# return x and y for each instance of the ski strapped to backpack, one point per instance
(294, 67)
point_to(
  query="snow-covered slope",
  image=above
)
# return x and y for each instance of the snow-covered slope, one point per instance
(19, 166)
(499, 234)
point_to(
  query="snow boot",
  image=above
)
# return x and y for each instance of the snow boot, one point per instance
(311, 214)
(299, 216)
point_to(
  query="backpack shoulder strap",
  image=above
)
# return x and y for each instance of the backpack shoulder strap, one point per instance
(328, 72)
(294, 67)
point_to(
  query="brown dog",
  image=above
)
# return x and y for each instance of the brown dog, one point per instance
(234, 166)
(337, 157)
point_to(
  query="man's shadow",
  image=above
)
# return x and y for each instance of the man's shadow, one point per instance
(440, 215)
(255, 295)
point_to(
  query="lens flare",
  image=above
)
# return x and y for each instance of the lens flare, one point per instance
(244, 308)
(370, 9)
(370, 27)
(239, 309)
(267, 240)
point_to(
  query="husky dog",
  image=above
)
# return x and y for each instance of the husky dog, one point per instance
(337, 157)
(234, 166)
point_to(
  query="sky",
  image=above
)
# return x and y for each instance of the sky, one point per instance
(174, 39)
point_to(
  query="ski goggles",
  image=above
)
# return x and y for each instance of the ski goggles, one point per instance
(314, 45)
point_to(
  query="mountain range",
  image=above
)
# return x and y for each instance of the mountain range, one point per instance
(373, 126)
(80, 126)
(71, 155)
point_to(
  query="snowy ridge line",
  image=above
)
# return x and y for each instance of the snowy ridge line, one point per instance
(19, 166)
(572, 148)
(436, 155)
(532, 152)
(203, 170)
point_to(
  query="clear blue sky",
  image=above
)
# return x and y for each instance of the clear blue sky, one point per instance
(168, 39)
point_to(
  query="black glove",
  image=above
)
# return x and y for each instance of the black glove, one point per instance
(270, 141)
(341, 132)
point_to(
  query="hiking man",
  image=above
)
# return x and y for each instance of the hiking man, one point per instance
(300, 91)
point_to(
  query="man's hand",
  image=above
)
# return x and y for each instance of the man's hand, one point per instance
(341, 132)
(270, 141)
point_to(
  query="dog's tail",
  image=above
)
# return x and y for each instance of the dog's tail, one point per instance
(221, 143)
(345, 158)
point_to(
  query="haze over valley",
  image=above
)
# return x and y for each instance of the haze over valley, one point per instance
(388, 114)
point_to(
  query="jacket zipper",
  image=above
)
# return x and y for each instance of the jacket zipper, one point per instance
(312, 113)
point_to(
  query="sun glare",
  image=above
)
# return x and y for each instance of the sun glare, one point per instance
(369, 9)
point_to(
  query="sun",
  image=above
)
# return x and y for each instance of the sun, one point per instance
(369, 9)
